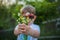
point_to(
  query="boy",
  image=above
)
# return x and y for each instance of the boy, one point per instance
(31, 30)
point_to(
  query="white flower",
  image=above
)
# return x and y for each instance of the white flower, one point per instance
(18, 14)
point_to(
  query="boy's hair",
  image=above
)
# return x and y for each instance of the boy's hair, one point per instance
(28, 8)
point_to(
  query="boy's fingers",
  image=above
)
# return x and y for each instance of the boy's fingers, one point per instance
(23, 31)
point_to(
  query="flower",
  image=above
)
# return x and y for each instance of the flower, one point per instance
(22, 19)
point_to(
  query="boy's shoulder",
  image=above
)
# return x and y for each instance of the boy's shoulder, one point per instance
(36, 27)
(35, 24)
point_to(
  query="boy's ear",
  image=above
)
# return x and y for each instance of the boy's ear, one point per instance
(35, 17)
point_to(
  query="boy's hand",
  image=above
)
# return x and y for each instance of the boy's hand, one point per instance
(22, 28)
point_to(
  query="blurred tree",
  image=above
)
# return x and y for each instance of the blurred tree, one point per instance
(50, 0)
(0, 2)
(4, 14)
(44, 10)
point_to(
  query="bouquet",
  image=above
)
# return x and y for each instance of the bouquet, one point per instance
(23, 19)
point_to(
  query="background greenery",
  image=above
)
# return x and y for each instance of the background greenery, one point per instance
(44, 10)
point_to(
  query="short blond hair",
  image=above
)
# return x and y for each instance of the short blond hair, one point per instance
(28, 8)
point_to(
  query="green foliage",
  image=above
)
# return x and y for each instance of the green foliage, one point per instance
(8, 16)
(15, 9)
(45, 10)
(5, 17)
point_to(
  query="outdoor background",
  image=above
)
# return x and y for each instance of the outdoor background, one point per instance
(48, 18)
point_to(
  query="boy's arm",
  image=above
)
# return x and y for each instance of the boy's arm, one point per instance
(17, 30)
(34, 32)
